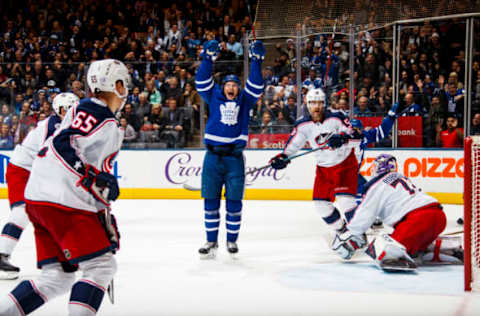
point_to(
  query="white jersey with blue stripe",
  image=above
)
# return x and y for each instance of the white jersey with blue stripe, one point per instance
(24, 153)
(317, 135)
(389, 197)
(89, 134)
(228, 119)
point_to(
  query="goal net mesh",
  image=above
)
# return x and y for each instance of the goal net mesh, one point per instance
(279, 18)
(474, 238)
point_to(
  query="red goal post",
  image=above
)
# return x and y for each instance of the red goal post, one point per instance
(472, 213)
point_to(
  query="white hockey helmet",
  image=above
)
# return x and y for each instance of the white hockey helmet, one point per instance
(103, 74)
(64, 100)
(314, 95)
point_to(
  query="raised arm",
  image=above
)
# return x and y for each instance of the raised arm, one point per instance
(254, 85)
(204, 79)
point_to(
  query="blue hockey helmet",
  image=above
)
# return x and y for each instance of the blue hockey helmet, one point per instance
(233, 78)
(356, 123)
(384, 163)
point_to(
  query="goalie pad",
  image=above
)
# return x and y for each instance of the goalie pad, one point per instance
(345, 244)
(444, 250)
(390, 255)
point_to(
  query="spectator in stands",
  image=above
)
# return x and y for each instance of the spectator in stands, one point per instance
(475, 128)
(131, 117)
(144, 107)
(172, 89)
(6, 140)
(281, 125)
(129, 134)
(435, 117)
(454, 99)
(452, 136)
(191, 98)
(235, 46)
(362, 107)
(173, 132)
(154, 96)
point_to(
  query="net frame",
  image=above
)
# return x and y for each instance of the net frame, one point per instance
(472, 213)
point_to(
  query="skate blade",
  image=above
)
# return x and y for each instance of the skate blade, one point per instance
(398, 269)
(8, 275)
(209, 256)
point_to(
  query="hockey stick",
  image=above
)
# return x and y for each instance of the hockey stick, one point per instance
(111, 232)
(253, 21)
(192, 188)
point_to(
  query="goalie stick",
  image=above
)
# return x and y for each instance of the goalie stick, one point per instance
(193, 188)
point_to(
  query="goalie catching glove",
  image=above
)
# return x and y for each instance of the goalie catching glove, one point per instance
(95, 182)
(345, 244)
(280, 161)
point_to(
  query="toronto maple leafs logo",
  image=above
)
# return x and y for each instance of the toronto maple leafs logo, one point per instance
(229, 112)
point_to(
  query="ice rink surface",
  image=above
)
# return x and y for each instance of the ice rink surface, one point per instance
(284, 267)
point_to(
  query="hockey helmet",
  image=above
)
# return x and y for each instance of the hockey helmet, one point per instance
(64, 100)
(103, 75)
(233, 78)
(384, 163)
(356, 123)
(315, 95)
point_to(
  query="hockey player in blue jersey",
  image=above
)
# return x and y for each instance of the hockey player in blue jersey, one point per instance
(225, 138)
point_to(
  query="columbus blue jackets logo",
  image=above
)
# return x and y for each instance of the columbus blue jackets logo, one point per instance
(229, 112)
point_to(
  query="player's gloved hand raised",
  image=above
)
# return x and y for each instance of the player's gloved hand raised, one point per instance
(280, 161)
(345, 244)
(210, 50)
(393, 111)
(337, 140)
(256, 51)
(95, 182)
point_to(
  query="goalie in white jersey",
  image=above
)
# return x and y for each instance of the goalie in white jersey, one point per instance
(18, 171)
(416, 217)
(337, 166)
(70, 186)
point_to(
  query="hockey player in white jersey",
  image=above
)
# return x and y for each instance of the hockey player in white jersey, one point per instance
(18, 171)
(416, 217)
(70, 186)
(337, 166)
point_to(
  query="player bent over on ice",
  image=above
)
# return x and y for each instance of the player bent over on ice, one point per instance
(416, 217)
(69, 188)
(336, 165)
(226, 136)
(18, 171)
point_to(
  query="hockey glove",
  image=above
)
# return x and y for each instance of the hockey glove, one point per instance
(256, 51)
(337, 140)
(280, 161)
(210, 50)
(95, 181)
(345, 244)
(393, 111)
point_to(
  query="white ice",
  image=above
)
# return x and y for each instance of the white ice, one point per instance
(284, 268)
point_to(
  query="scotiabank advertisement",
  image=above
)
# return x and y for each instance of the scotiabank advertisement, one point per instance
(432, 170)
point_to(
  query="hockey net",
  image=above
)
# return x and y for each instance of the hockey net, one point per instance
(472, 213)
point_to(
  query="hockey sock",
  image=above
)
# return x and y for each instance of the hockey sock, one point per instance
(233, 219)
(212, 219)
(85, 298)
(13, 229)
(26, 297)
(329, 213)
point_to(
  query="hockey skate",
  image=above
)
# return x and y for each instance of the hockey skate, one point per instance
(398, 265)
(209, 250)
(232, 248)
(7, 270)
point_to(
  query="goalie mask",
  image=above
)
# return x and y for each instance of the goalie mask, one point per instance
(103, 75)
(315, 99)
(64, 100)
(384, 163)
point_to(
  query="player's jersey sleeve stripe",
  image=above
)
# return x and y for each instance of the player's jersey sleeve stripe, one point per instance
(255, 86)
(206, 88)
(256, 95)
(203, 82)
